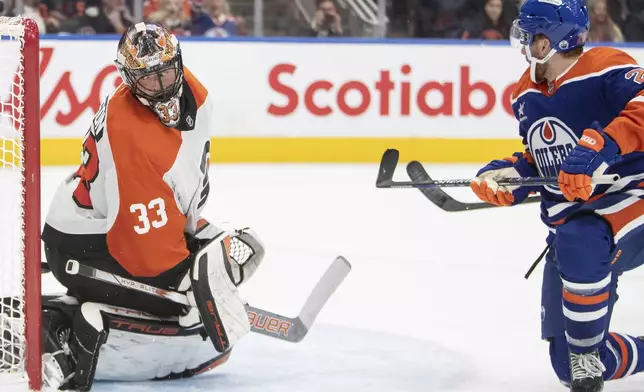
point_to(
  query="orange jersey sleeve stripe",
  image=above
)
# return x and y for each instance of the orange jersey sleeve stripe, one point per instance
(628, 128)
(147, 236)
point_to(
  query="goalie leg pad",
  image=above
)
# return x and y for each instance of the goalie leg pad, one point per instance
(58, 360)
(88, 334)
(216, 297)
(72, 337)
(141, 346)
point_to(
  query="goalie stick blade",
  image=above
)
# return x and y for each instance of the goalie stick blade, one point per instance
(441, 199)
(275, 325)
(334, 275)
(295, 329)
(387, 168)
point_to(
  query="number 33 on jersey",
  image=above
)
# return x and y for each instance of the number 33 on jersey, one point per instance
(140, 184)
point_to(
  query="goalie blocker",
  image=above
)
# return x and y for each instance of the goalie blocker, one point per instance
(93, 339)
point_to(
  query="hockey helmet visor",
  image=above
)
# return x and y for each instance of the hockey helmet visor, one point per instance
(520, 37)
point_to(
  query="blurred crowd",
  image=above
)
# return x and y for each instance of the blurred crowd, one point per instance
(183, 17)
(611, 20)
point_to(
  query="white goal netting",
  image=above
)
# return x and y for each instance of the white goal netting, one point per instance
(12, 321)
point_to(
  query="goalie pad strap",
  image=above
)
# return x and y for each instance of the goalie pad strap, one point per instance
(88, 334)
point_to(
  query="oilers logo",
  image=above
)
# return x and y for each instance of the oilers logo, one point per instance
(550, 141)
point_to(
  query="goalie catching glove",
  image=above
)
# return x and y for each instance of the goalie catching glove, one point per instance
(246, 248)
(489, 191)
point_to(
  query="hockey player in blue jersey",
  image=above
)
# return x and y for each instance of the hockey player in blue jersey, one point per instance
(580, 114)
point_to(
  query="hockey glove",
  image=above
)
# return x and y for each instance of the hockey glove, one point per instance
(487, 189)
(592, 156)
(246, 251)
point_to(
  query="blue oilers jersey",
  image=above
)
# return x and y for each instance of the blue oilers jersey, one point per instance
(604, 85)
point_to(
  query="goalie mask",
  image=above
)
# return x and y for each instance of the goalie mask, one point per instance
(149, 61)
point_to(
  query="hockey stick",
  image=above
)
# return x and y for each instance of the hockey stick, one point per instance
(262, 321)
(390, 161)
(417, 173)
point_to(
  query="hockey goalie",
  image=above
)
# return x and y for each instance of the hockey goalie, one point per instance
(133, 209)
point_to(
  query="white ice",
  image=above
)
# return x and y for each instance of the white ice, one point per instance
(435, 301)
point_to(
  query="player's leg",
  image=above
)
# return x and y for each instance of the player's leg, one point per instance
(585, 252)
(628, 254)
(553, 325)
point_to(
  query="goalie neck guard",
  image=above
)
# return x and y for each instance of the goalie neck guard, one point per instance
(149, 61)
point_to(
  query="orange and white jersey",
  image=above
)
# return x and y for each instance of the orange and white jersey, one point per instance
(141, 184)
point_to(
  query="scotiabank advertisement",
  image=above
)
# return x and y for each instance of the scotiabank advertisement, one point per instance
(292, 89)
(307, 91)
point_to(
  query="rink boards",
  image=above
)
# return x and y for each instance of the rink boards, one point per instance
(310, 100)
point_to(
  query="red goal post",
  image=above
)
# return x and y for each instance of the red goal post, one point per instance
(20, 224)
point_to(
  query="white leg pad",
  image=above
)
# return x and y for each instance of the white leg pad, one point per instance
(220, 305)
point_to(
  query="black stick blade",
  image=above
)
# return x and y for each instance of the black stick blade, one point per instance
(441, 199)
(388, 165)
(417, 172)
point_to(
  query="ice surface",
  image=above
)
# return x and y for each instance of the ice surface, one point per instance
(435, 302)
(330, 358)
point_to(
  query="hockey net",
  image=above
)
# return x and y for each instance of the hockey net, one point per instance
(20, 204)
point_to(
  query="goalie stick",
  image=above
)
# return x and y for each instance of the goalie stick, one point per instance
(262, 321)
(390, 161)
(440, 198)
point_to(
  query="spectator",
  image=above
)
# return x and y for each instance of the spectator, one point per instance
(63, 16)
(152, 6)
(172, 16)
(215, 20)
(327, 21)
(289, 21)
(242, 28)
(106, 17)
(33, 11)
(602, 26)
(491, 24)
